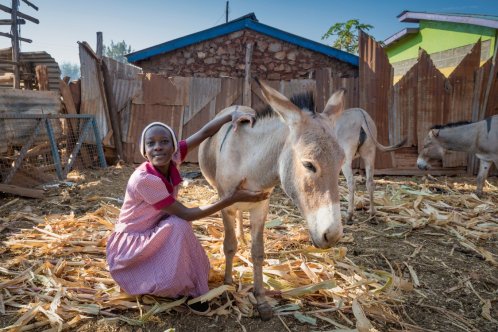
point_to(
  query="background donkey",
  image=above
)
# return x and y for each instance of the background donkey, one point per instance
(292, 146)
(479, 138)
(357, 135)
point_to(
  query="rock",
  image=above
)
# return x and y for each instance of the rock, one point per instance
(280, 55)
(274, 76)
(275, 47)
(210, 61)
(236, 34)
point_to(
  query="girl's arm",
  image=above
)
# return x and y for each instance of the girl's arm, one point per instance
(194, 213)
(214, 125)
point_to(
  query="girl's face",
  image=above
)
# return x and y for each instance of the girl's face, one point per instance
(159, 146)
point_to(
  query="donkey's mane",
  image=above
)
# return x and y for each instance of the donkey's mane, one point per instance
(452, 124)
(304, 101)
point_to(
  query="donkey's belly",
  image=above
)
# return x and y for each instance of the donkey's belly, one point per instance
(244, 206)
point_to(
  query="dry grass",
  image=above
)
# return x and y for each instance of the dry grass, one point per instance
(54, 274)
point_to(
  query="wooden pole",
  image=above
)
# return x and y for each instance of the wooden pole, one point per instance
(246, 97)
(490, 83)
(15, 44)
(112, 110)
(226, 13)
(100, 44)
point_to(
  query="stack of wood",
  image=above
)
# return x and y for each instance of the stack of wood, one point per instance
(23, 146)
(30, 64)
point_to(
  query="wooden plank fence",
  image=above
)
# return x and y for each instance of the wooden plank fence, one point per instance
(422, 98)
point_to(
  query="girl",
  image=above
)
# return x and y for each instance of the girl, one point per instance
(153, 249)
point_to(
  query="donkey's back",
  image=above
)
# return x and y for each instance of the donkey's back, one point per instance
(228, 156)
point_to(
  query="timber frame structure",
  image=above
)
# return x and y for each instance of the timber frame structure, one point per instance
(17, 18)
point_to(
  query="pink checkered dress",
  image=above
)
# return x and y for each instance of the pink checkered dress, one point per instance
(151, 252)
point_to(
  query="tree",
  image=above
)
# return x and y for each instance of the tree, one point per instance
(347, 35)
(117, 51)
(70, 69)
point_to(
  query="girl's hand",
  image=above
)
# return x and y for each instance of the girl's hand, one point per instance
(243, 195)
(239, 117)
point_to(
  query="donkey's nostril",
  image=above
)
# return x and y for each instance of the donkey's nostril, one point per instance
(325, 238)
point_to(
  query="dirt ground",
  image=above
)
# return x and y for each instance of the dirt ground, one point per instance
(456, 290)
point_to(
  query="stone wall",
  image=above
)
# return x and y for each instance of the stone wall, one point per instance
(224, 56)
(445, 60)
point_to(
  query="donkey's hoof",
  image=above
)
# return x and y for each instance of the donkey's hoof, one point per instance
(265, 311)
(373, 221)
(349, 220)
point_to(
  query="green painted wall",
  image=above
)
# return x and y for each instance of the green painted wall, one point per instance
(439, 36)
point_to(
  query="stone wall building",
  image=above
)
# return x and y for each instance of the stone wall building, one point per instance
(226, 50)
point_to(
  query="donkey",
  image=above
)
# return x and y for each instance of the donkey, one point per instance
(357, 135)
(292, 146)
(479, 138)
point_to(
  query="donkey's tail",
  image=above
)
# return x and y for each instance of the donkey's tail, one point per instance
(381, 147)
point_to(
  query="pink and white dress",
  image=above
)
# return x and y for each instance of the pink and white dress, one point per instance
(149, 251)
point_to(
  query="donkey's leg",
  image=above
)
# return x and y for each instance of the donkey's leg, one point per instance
(369, 161)
(230, 241)
(258, 217)
(239, 227)
(484, 167)
(348, 174)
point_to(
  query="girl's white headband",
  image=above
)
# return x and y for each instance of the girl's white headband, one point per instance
(142, 138)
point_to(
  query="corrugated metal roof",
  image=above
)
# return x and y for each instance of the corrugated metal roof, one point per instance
(489, 21)
(401, 34)
(246, 22)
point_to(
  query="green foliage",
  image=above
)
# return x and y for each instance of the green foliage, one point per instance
(347, 35)
(117, 51)
(70, 69)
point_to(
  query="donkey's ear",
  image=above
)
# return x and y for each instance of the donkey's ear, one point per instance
(289, 112)
(435, 132)
(335, 104)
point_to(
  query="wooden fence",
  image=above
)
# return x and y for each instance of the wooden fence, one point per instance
(422, 98)
(187, 103)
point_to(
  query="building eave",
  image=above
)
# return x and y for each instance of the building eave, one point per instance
(400, 35)
(416, 17)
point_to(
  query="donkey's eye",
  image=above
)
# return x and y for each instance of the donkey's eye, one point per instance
(309, 166)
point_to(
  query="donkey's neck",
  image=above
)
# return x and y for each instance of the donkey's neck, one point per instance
(460, 138)
(263, 145)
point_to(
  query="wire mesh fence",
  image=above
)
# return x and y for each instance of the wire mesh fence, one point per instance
(39, 149)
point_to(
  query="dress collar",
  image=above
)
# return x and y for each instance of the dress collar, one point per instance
(174, 174)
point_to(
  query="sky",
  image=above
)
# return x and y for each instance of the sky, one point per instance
(146, 23)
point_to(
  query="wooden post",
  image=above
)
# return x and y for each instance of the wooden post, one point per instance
(42, 77)
(15, 44)
(100, 44)
(226, 13)
(246, 97)
(112, 110)
(21, 191)
(490, 83)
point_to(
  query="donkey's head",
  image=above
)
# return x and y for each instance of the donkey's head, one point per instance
(432, 150)
(310, 163)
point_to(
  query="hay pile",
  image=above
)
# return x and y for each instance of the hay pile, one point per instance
(55, 275)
